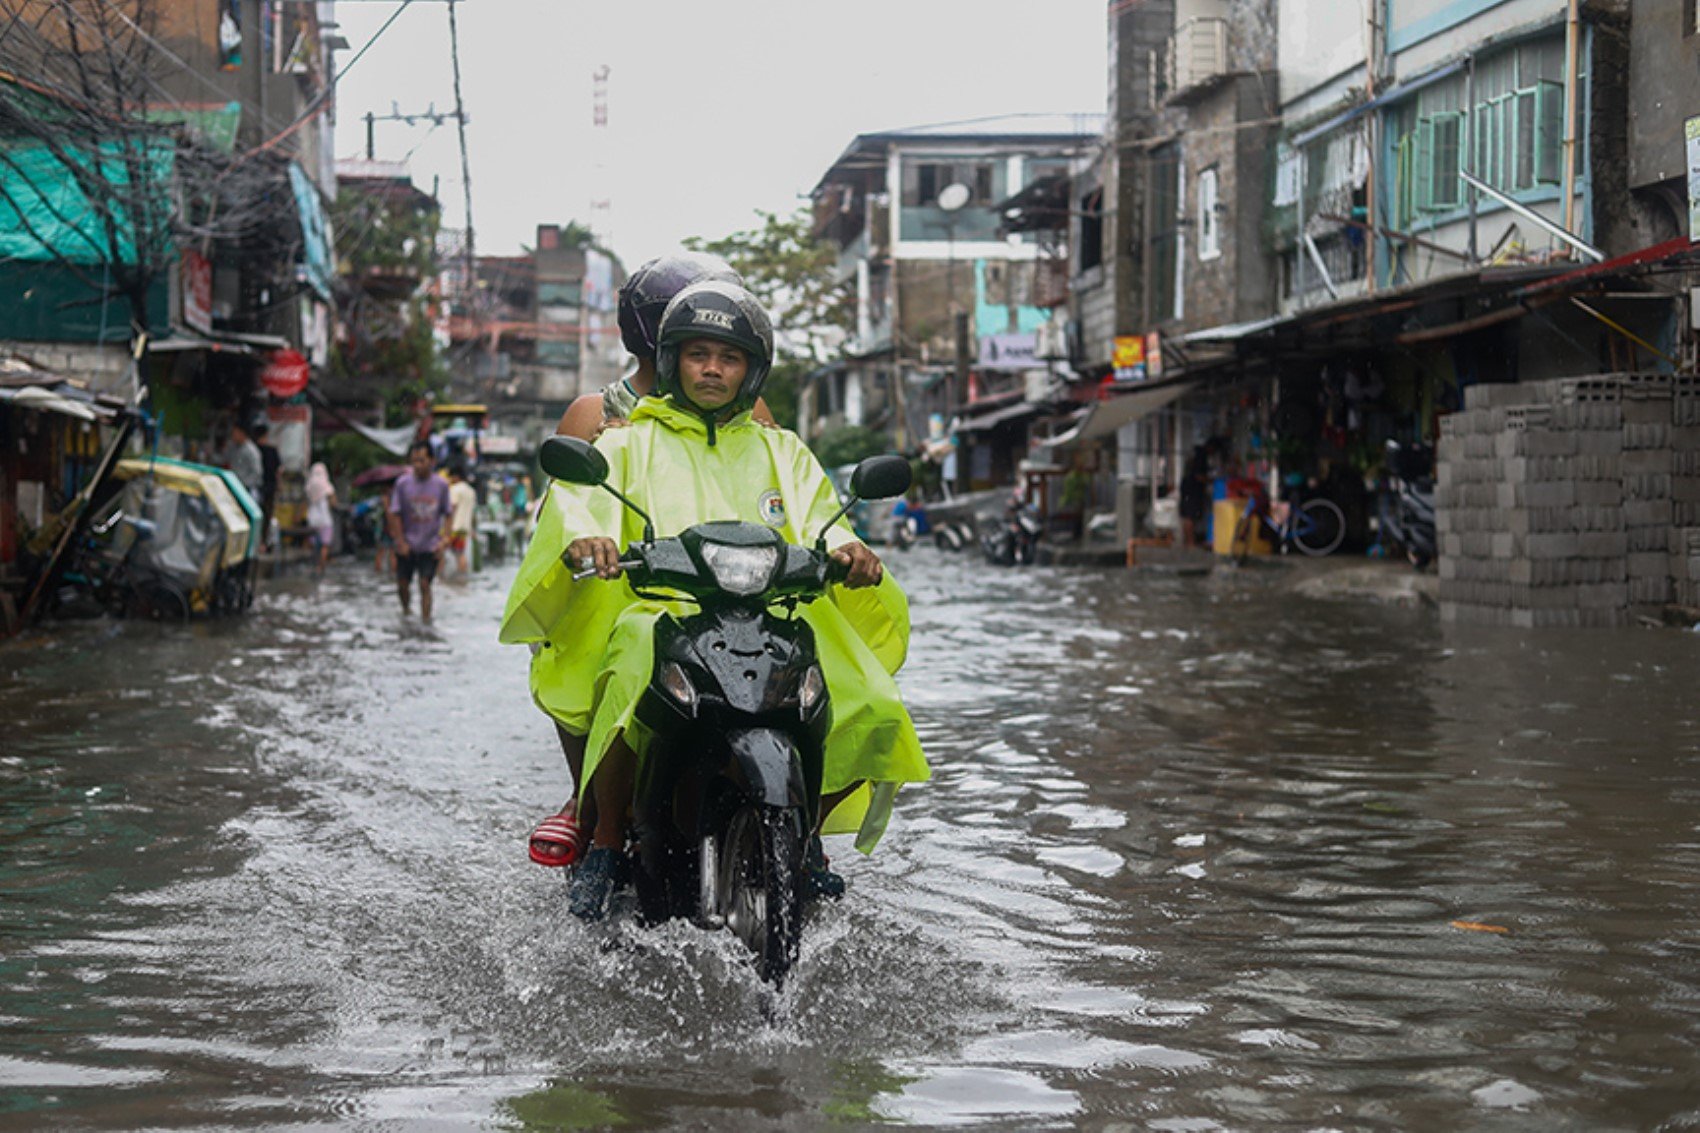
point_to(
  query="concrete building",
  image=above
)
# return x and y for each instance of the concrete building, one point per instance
(538, 330)
(948, 304)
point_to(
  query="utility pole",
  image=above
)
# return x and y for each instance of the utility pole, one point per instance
(469, 257)
(964, 482)
(432, 115)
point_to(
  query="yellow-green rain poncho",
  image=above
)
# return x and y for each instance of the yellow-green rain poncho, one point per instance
(597, 637)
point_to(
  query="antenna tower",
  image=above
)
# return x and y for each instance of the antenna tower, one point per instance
(601, 202)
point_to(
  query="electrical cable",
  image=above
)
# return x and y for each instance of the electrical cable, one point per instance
(321, 99)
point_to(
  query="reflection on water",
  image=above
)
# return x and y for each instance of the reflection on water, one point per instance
(1198, 855)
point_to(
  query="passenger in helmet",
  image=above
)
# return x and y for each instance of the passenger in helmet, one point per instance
(643, 299)
(689, 455)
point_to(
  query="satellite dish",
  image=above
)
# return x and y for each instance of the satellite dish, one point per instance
(953, 196)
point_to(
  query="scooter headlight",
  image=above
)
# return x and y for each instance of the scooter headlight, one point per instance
(810, 690)
(677, 684)
(740, 570)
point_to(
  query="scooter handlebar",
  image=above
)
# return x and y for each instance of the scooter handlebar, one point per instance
(589, 572)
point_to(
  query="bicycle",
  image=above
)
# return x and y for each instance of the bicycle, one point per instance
(1316, 527)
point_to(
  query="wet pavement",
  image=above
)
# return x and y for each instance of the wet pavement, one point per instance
(1201, 853)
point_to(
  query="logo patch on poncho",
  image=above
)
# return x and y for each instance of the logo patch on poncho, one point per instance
(772, 508)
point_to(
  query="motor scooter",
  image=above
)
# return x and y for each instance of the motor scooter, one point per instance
(727, 793)
(1406, 504)
(1014, 540)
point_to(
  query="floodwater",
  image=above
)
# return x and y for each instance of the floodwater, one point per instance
(1198, 855)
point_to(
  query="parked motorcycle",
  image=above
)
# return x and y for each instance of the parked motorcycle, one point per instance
(1407, 503)
(953, 536)
(908, 524)
(728, 793)
(1014, 540)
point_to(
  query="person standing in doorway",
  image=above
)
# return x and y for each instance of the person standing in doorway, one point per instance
(463, 520)
(321, 516)
(242, 456)
(270, 463)
(419, 514)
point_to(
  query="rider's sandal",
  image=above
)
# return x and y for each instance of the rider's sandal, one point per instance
(558, 839)
(820, 880)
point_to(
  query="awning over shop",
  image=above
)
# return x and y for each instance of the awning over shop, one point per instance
(218, 342)
(395, 441)
(1644, 258)
(24, 385)
(1233, 332)
(1105, 417)
(1002, 415)
(45, 400)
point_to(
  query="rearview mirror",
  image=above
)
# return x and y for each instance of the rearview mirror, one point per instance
(881, 477)
(573, 460)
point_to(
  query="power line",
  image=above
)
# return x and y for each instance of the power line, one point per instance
(319, 100)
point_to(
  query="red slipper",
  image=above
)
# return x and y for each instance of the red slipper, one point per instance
(557, 841)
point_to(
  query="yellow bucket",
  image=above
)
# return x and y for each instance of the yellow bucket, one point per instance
(1225, 521)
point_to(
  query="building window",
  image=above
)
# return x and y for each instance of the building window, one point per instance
(1165, 261)
(924, 180)
(1092, 229)
(1289, 167)
(1512, 136)
(1209, 216)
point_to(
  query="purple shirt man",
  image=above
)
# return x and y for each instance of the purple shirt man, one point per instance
(419, 504)
(422, 502)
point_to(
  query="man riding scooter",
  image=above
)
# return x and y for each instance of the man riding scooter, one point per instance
(689, 456)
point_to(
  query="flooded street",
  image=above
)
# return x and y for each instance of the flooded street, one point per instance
(1197, 856)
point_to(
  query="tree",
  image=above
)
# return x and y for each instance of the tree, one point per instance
(849, 444)
(792, 273)
(576, 235)
(386, 248)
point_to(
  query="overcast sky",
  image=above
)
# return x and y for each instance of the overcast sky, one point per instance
(715, 110)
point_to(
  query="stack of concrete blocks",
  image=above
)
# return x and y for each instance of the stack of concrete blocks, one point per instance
(1685, 491)
(1570, 502)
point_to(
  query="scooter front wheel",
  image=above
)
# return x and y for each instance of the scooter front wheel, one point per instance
(759, 858)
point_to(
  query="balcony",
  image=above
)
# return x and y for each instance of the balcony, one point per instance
(1197, 56)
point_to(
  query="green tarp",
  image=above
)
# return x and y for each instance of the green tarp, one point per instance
(46, 210)
(216, 126)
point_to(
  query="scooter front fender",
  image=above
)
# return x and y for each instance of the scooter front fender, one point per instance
(766, 759)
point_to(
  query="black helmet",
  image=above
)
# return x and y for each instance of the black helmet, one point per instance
(722, 311)
(649, 289)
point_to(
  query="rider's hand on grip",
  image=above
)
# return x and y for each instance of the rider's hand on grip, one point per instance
(855, 566)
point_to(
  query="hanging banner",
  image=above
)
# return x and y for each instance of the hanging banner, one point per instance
(1008, 352)
(285, 373)
(197, 292)
(1691, 134)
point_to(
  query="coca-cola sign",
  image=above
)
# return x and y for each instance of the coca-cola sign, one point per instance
(285, 373)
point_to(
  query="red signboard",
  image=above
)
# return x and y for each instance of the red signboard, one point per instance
(285, 373)
(197, 292)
